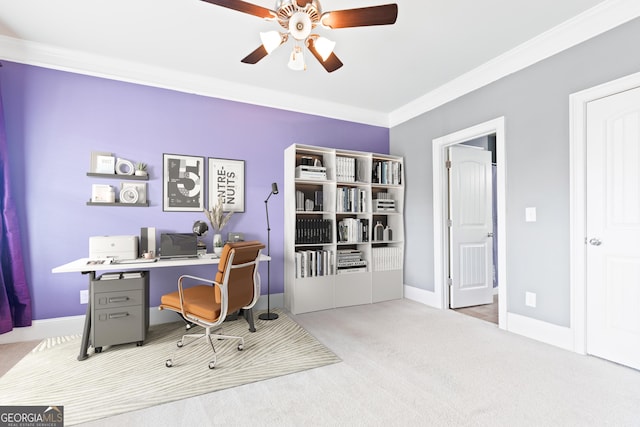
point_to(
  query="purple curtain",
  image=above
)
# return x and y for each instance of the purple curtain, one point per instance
(15, 301)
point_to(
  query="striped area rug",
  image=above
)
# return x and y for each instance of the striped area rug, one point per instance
(126, 377)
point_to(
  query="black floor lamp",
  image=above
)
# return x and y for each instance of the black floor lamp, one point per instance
(269, 315)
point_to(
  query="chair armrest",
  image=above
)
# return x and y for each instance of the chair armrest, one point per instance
(188, 276)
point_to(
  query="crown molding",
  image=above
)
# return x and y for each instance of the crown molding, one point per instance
(593, 22)
(43, 55)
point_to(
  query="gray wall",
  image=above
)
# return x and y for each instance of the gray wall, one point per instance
(535, 104)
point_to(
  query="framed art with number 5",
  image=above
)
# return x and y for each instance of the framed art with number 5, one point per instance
(183, 181)
(226, 180)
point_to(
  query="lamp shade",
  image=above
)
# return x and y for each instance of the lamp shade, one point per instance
(296, 61)
(324, 46)
(270, 40)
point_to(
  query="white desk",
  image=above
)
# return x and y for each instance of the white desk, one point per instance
(81, 266)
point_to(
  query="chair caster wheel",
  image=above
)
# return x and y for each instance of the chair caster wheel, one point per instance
(212, 365)
(139, 344)
(98, 349)
(179, 343)
(240, 347)
(168, 363)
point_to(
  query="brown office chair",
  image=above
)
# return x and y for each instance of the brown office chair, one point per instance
(236, 287)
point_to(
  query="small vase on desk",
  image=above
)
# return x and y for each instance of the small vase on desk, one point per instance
(217, 244)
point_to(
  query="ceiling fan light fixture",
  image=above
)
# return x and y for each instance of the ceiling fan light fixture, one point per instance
(324, 46)
(300, 25)
(296, 60)
(298, 18)
(271, 40)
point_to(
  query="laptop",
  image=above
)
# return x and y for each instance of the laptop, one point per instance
(178, 245)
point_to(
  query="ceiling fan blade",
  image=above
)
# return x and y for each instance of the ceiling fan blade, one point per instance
(331, 64)
(243, 6)
(255, 56)
(385, 14)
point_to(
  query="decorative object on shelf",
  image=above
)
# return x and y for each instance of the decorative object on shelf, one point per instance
(124, 167)
(269, 315)
(200, 228)
(378, 232)
(139, 187)
(384, 203)
(129, 195)
(226, 181)
(182, 183)
(388, 233)
(141, 169)
(299, 18)
(218, 220)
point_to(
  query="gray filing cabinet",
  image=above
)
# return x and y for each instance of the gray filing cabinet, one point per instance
(119, 309)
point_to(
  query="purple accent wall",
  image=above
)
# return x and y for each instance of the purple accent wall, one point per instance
(55, 119)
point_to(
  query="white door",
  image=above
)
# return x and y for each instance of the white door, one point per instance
(470, 227)
(613, 228)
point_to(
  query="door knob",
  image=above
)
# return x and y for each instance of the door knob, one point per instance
(595, 242)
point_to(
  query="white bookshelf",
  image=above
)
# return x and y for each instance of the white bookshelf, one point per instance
(330, 216)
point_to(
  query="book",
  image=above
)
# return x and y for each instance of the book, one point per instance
(351, 270)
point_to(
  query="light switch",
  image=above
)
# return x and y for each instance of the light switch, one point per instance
(530, 214)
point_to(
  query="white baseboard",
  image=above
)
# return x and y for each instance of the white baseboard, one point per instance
(40, 329)
(558, 336)
(72, 325)
(538, 330)
(422, 296)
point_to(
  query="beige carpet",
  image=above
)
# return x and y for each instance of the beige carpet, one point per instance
(126, 377)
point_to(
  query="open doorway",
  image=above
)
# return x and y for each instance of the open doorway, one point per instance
(488, 133)
(472, 221)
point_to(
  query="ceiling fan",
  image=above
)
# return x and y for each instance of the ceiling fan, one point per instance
(299, 18)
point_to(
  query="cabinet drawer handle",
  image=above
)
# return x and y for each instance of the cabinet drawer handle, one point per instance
(118, 315)
(118, 299)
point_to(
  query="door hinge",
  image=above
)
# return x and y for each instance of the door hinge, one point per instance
(449, 282)
(449, 223)
(447, 164)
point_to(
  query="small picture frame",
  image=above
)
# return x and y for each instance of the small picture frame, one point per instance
(102, 162)
(226, 180)
(183, 183)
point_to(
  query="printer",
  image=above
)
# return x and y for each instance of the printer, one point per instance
(115, 247)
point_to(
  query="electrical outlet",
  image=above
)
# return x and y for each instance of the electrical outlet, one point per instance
(530, 299)
(530, 214)
(84, 296)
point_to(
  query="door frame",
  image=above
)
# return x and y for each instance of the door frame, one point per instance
(577, 210)
(440, 182)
